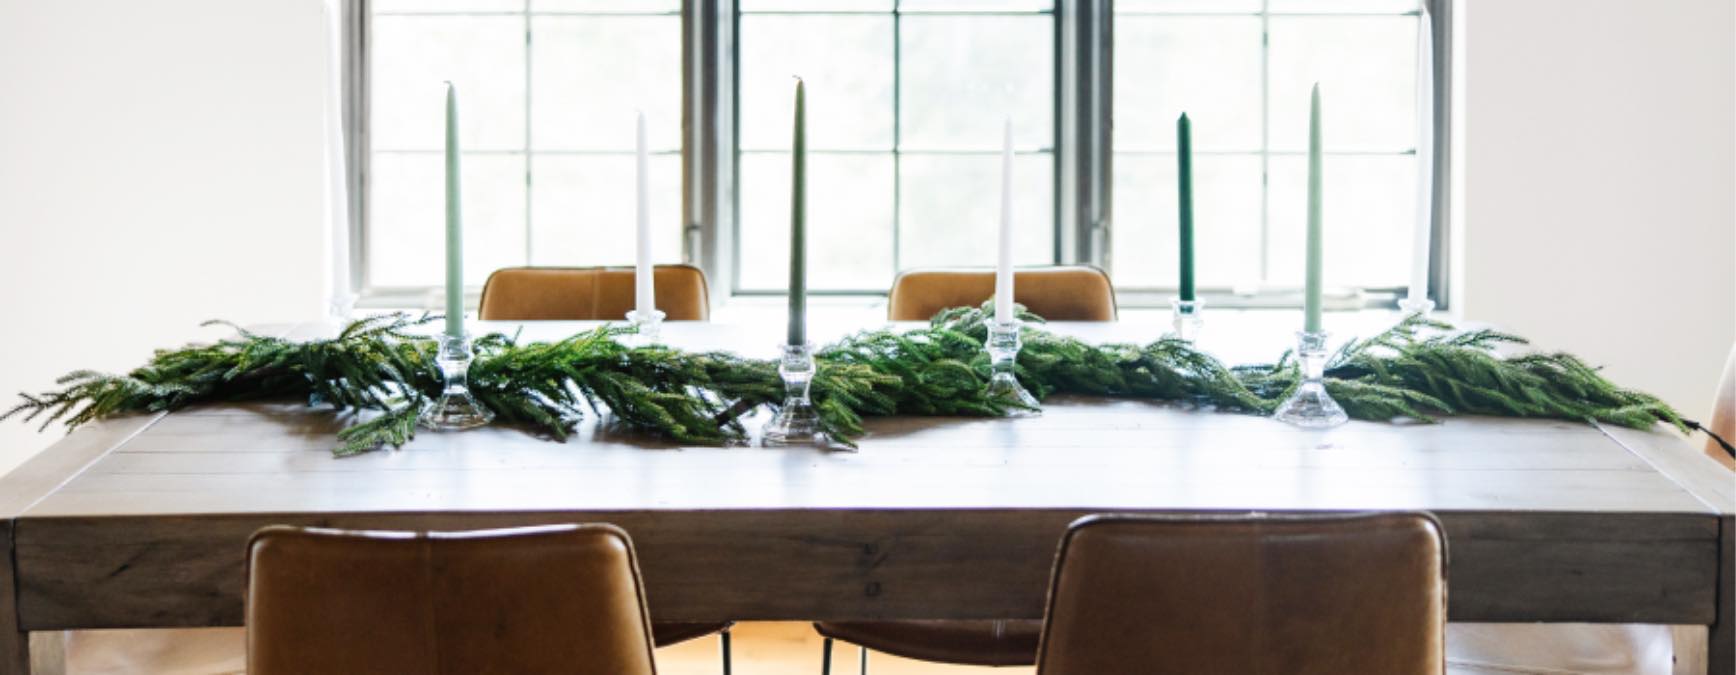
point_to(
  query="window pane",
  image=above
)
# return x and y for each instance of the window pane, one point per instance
(607, 6)
(815, 5)
(1244, 80)
(389, 6)
(950, 210)
(849, 221)
(590, 73)
(1188, 6)
(962, 75)
(1337, 6)
(975, 5)
(960, 66)
(1369, 205)
(407, 221)
(1208, 66)
(1366, 67)
(413, 55)
(583, 211)
(1226, 221)
(846, 63)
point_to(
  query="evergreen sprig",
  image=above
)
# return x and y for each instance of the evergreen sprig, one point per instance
(382, 372)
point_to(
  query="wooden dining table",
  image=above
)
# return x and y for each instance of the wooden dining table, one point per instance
(143, 521)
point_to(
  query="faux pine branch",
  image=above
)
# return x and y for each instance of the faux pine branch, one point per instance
(382, 372)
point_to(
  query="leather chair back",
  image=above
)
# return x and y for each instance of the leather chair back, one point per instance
(560, 599)
(590, 293)
(1066, 293)
(1723, 420)
(1323, 595)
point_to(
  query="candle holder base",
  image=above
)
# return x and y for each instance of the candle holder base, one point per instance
(456, 409)
(1409, 306)
(1309, 405)
(796, 422)
(1187, 316)
(1007, 388)
(1003, 348)
(650, 326)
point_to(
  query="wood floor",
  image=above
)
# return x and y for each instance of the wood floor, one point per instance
(794, 649)
(760, 649)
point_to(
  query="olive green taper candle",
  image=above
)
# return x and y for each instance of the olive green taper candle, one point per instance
(799, 225)
(1184, 184)
(1311, 285)
(454, 222)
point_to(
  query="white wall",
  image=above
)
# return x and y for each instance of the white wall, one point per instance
(160, 164)
(1599, 193)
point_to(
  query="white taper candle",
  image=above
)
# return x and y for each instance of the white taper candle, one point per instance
(644, 274)
(1420, 234)
(1004, 264)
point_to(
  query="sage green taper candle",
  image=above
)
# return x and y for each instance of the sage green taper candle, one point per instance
(454, 222)
(1311, 285)
(799, 225)
(1184, 183)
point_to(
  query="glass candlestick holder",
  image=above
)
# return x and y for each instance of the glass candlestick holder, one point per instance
(796, 422)
(1409, 306)
(1188, 316)
(1003, 348)
(1310, 405)
(650, 325)
(455, 409)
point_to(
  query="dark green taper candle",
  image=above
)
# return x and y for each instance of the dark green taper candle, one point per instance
(799, 225)
(1184, 184)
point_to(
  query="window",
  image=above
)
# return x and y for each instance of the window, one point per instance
(906, 104)
(1242, 69)
(547, 95)
(906, 101)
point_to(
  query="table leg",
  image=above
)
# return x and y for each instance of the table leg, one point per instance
(14, 653)
(1721, 636)
(14, 643)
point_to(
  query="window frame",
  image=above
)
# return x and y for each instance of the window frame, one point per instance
(1083, 152)
(733, 283)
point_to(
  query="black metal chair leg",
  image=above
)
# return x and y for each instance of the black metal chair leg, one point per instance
(826, 658)
(724, 639)
(864, 667)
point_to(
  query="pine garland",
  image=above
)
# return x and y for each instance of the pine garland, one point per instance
(1418, 369)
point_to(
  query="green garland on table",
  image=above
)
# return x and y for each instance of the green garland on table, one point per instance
(1417, 369)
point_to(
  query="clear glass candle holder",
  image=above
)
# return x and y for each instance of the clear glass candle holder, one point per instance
(1188, 316)
(1003, 347)
(1310, 405)
(1409, 306)
(796, 422)
(650, 325)
(456, 408)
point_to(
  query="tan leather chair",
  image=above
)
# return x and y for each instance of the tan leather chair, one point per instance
(1155, 595)
(556, 599)
(1074, 293)
(1723, 419)
(590, 293)
(603, 294)
(1062, 293)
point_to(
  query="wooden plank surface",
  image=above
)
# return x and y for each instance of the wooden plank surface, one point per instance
(1700, 475)
(864, 564)
(1082, 453)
